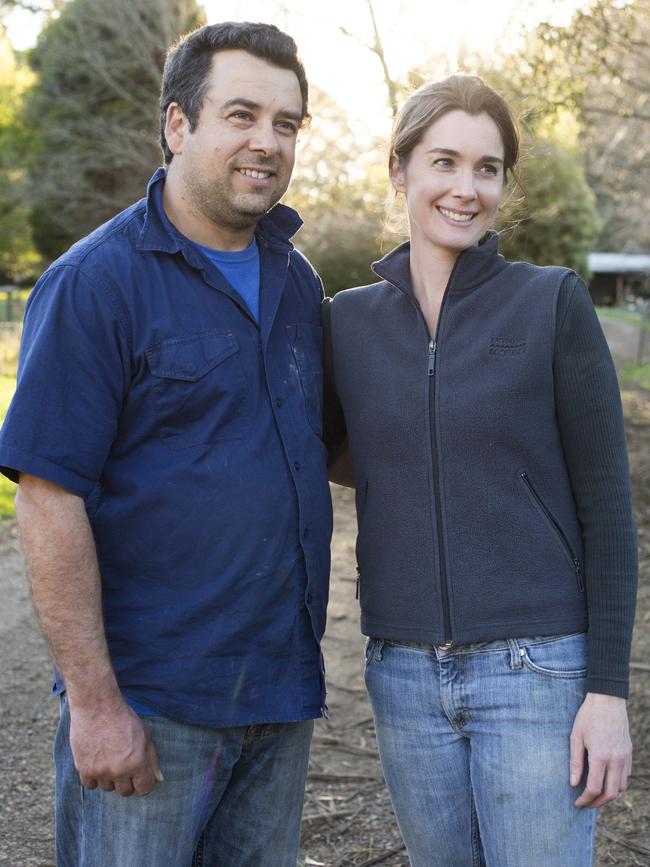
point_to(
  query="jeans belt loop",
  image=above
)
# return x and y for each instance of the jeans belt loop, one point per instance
(516, 653)
(377, 653)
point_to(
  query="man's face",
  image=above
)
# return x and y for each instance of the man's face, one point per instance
(237, 162)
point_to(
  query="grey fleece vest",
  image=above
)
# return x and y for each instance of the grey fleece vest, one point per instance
(467, 527)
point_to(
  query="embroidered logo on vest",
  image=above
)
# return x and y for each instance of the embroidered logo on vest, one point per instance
(504, 347)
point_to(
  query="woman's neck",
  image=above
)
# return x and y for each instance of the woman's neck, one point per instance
(430, 272)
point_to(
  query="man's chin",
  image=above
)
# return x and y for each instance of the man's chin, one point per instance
(255, 206)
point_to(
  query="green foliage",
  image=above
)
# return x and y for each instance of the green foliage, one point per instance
(340, 196)
(18, 258)
(95, 111)
(597, 69)
(556, 222)
(7, 387)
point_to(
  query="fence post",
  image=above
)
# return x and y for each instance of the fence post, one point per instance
(644, 327)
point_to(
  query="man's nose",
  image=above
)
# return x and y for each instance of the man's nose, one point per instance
(264, 138)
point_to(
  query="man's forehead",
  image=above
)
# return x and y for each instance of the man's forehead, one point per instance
(236, 73)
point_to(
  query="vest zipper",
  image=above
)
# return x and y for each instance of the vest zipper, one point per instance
(431, 372)
(559, 532)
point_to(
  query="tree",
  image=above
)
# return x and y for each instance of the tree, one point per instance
(598, 68)
(555, 222)
(18, 257)
(340, 195)
(95, 108)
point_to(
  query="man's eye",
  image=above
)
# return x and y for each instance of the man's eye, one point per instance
(241, 115)
(287, 126)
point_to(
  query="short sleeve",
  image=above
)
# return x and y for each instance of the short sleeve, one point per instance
(73, 373)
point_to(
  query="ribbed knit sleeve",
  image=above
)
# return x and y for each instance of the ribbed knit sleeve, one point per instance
(590, 419)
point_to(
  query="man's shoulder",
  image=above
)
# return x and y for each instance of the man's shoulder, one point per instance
(108, 244)
(304, 273)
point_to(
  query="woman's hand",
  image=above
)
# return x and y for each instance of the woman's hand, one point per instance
(601, 733)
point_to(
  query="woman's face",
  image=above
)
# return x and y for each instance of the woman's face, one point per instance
(453, 181)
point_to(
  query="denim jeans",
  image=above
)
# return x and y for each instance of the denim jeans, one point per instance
(474, 744)
(231, 797)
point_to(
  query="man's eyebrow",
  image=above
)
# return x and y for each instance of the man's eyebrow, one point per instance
(250, 103)
(453, 153)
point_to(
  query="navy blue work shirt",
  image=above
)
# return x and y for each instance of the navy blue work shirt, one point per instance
(194, 436)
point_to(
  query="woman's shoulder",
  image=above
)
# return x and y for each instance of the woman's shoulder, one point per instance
(358, 293)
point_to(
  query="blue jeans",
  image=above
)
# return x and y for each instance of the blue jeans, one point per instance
(474, 744)
(231, 797)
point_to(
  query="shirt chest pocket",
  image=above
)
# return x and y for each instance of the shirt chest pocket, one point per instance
(199, 389)
(306, 343)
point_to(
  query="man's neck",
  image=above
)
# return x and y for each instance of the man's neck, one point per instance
(185, 216)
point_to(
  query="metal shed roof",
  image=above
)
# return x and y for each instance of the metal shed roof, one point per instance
(618, 263)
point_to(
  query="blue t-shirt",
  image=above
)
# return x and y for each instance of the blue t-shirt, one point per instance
(242, 270)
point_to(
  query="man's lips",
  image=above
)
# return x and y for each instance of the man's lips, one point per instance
(257, 174)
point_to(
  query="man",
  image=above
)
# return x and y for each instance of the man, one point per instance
(173, 499)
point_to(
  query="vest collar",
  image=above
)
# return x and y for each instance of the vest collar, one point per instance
(474, 266)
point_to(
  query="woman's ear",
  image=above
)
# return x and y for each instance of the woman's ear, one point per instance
(397, 174)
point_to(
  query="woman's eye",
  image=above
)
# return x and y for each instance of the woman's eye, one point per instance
(488, 169)
(443, 162)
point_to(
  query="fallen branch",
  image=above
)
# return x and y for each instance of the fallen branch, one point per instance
(323, 818)
(634, 847)
(640, 666)
(346, 748)
(377, 859)
(345, 778)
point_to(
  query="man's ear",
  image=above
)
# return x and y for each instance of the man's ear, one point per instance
(177, 128)
(397, 174)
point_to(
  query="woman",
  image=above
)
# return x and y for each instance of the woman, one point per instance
(496, 547)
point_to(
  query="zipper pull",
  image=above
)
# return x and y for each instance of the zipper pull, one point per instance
(432, 357)
(356, 595)
(578, 568)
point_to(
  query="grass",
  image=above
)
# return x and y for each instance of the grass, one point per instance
(632, 317)
(637, 373)
(7, 488)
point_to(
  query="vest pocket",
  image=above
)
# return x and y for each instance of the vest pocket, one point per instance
(554, 525)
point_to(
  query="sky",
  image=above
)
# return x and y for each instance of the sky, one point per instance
(412, 31)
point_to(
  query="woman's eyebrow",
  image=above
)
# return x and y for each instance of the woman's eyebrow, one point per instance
(452, 153)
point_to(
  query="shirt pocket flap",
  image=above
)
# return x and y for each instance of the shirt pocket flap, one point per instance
(190, 358)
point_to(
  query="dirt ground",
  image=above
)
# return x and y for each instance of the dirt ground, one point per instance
(347, 821)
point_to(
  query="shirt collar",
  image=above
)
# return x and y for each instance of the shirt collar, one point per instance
(474, 265)
(276, 227)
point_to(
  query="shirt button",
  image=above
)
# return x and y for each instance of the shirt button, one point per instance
(279, 402)
(305, 533)
(308, 597)
(296, 465)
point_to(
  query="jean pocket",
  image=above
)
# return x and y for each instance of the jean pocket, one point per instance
(564, 656)
(373, 650)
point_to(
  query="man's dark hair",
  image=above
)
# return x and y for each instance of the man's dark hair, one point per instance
(185, 76)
